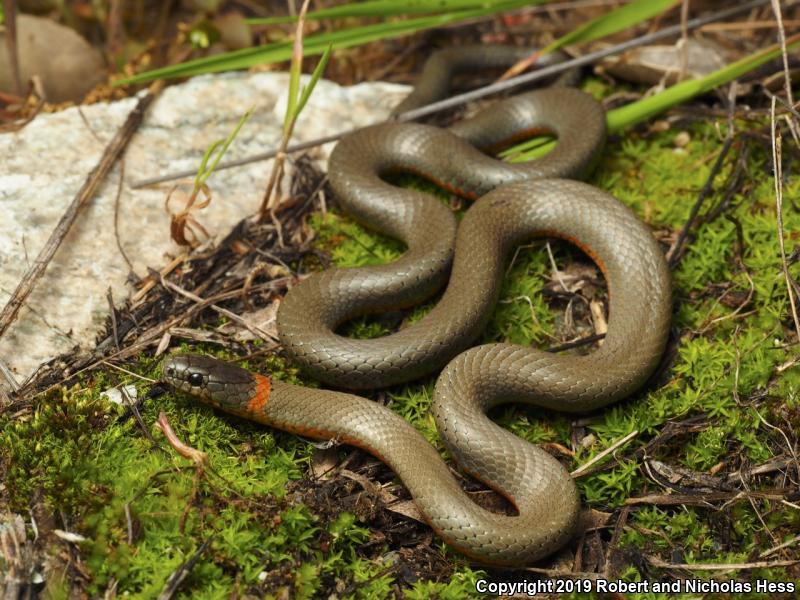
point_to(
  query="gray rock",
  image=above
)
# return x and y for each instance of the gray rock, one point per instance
(656, 64)
(67, 65)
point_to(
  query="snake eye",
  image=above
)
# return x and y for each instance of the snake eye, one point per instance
(170, 372)
(195, 379)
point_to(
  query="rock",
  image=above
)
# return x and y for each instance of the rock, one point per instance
(653, 64)
(67, 65)
(234, 32)
(46, 162)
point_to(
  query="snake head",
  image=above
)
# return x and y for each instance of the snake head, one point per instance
(213, 381)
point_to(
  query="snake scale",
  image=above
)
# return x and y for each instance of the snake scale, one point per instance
(513, 203)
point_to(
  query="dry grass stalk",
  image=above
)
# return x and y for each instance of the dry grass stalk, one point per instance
(270, 200)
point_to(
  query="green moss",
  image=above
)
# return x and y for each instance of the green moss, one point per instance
(723, 357)
(74, 455)
(53, 452)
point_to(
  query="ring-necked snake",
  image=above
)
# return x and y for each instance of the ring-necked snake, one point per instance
(515, 203)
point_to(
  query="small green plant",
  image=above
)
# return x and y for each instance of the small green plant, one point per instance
(184, 226)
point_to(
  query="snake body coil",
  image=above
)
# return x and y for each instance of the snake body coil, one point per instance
(516, 202)
(311, 312)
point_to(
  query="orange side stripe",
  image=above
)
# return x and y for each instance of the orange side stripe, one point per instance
(261, 394)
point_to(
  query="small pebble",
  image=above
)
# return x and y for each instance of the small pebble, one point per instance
(116, 396)
(682, 139)
(660, 126)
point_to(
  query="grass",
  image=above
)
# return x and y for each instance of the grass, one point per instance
(317, 44)
(436, 14)
(144, 510)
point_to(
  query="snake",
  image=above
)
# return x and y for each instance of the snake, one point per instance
(512, 204)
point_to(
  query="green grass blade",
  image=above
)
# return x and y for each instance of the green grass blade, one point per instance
(622, 18)
(382, 8)
(316, 44)
(294, 87)
(612, 22)
(318, 71)
(204, 172)
(641, 110)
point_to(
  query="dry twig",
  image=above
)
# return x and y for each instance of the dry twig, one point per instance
(657, 562)
(786, 544)
(787, 80)
(257, 331)
(778, 178)
(276, 174)
(674, 253)
(704, 499)
(176, 579)
(613, 447)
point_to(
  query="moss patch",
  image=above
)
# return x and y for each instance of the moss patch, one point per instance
(144, 511)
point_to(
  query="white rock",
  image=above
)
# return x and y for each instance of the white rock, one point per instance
(43, 165)
(115, 394)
